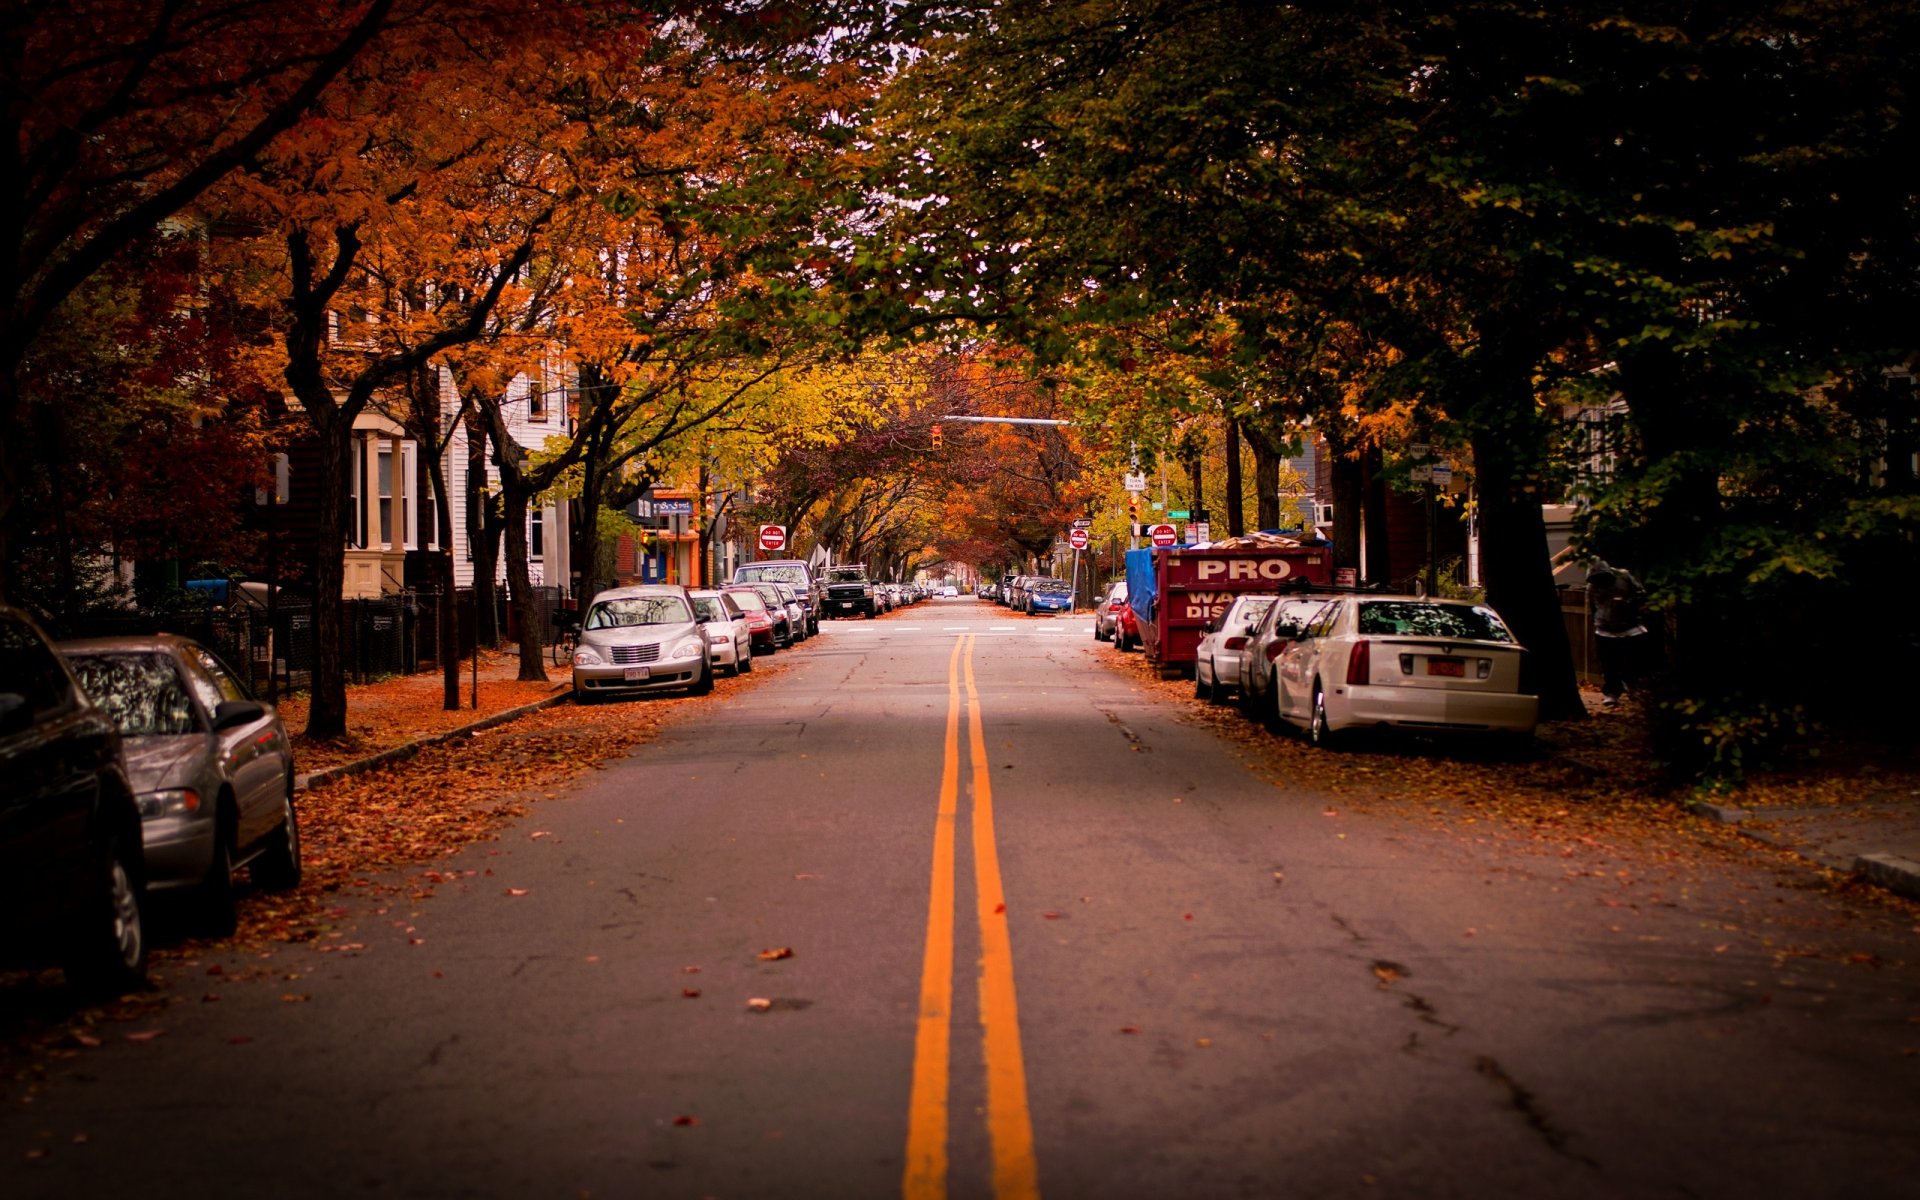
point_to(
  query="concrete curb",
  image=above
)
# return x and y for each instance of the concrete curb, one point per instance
(1894, 872)
(407, 750)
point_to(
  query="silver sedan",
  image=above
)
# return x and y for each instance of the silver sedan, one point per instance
(211, 767)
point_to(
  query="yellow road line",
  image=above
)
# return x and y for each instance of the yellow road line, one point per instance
(1009, 1123)
(926, 1172)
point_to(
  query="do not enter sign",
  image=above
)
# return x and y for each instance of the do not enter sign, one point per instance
(1078, 539)
(1163, 535)
(773, 537)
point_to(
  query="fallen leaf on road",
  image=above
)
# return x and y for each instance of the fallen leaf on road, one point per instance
(240, 1039)
(210, 998)
(686, 1120)
(690, 970)
(778, 952)
(537, 834)
(86, 1039)
(1050, 916)
(145, 1035)
(294, 998)
(1203, 1043)
(759, 1004)
(518, 891)
(1129, 1029)
(690, 993)
(999, 908)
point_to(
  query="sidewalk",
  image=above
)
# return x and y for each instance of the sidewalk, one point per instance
(1874, 832)
(393, 717)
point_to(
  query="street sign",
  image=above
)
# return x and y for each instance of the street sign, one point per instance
(1179, 514)
(1420, 449)
(1442, 474)
(1163, 535)
(1200, 533)
(1136, 483)
(1078, 539)
(1083, 522)
(1422, 473)
(773, 537)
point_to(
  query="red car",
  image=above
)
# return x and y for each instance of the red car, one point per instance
(1113, 619)
(760, 621)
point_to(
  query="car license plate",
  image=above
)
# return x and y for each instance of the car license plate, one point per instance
(637, 674)
(1453, 668)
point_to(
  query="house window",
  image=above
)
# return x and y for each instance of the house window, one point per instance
(537, 533)
(536, 399)
(356, 487)
(386, 495)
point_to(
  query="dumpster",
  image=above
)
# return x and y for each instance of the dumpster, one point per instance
(1176, 591)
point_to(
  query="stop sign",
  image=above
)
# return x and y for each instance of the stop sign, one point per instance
(773, 537)
(1078, 538)
(1163, 535)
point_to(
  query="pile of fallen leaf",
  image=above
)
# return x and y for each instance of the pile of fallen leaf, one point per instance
(392, 712)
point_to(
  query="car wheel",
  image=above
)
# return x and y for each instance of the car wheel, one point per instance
(109, 946)
(278, 866)
(744, 664)
(1202, 690)
(704, 684)
(1317, 731)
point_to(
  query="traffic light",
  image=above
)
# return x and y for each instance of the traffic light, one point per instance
(936, 437)
(1133, 507)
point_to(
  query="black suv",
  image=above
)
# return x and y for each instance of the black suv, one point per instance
(850, 591)
(72, 875)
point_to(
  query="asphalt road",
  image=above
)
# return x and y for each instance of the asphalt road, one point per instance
(1077, 950)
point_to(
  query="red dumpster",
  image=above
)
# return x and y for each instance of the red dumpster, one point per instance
(1175, 592)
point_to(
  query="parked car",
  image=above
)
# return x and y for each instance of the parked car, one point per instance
(72, 875)
(211, 768)
(1106, 613)
(783, 622)
(797, 574)
(1216, 663)
(760, 620)
(1278, 628)
(849, 591)
(640, 639)
(796, 613)
(1408, 663)
(729, 634)
(1050, 596)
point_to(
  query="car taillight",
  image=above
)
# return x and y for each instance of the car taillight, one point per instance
(1275, 649)
(1360, 663)
(1235, 643)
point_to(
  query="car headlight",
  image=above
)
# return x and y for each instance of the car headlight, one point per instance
(692, 647)
(169, 802)
(586, 656)
(866, 591)
(721, 639)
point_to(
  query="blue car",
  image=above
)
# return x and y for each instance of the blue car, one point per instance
(1044, 597)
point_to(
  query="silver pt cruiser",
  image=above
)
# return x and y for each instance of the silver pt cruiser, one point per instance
(640, 639)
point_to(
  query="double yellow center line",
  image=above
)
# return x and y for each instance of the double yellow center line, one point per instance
(1009, 1125)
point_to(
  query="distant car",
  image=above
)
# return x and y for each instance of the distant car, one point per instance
(640, 639)
(950, 591)
(1216, 662)
(760, 620)
(797, 629)
(784, 623)
(1279, 627)
(1050, 596)
(1106, 614)
(797, 574)
(211, 768)
(849, 591)
(729, 634)
(1405, 662)
(72, 874)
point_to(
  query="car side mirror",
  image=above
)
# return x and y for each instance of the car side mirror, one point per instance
(232, 713)
(16, 715)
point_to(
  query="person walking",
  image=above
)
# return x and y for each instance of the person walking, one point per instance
(1615, 601)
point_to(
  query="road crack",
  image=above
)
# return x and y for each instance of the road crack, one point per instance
(1133, 738)
(1530, 1109)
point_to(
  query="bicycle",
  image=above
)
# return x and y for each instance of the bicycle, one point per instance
(566, 639)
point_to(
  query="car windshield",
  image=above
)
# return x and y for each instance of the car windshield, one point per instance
(1051, 585)
(638, 610)
(749, 601)
(846, 575)
(143, 693)
(1419, 619)
(791, 573)
(709, 608)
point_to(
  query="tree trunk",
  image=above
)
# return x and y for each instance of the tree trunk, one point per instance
(449, 617)
(482, 536)
(1266, 478)
(1379, 543)
(526, 614)
(1514, 559)
(1236, 506)
(1345, 480)
(327, 708)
